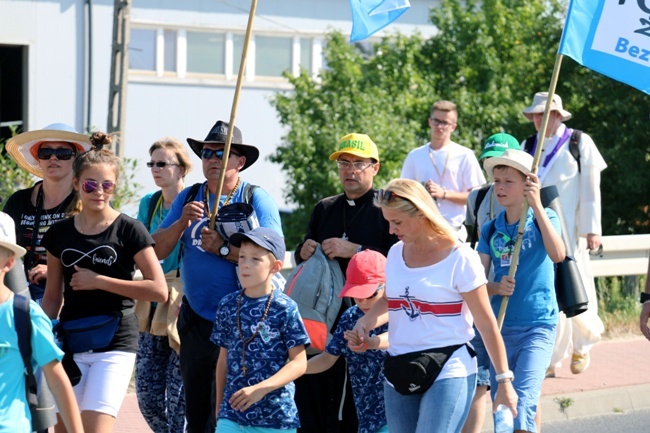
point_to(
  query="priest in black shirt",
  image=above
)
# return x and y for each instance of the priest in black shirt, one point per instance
(343, 225)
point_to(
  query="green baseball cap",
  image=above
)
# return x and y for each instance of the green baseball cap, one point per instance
(497, 144)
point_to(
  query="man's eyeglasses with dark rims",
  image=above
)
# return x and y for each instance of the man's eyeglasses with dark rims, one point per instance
(441, 123)
(63, 154)
(209, 153)
(357, 166)
(159, 164)
(90, 186)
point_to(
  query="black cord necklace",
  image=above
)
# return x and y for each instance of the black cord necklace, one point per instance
(244, 342)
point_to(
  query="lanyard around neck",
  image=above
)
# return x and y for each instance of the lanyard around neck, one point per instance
(444, 168)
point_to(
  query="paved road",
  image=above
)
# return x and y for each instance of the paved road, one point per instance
(635, 421)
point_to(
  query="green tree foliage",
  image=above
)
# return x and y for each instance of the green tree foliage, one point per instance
(488, 57)
(14, 177)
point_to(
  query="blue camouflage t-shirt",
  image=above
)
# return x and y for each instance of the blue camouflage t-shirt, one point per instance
(366, 373)
(266, 354)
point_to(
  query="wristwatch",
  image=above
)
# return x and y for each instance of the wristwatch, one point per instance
(644, 297)
(224, 249)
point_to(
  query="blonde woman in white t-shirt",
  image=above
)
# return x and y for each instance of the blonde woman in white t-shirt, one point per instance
(435, 291)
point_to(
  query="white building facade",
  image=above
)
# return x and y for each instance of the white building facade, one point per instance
(184, 57)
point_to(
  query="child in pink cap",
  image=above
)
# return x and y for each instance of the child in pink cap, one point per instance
(365, 281)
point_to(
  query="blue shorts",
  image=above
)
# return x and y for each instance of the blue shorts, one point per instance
(227, 426)
(482, 360)
(529, 350)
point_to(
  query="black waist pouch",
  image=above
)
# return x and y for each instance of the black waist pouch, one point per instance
(415, 372)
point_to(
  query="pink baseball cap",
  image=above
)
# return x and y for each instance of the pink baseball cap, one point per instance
(364, 275)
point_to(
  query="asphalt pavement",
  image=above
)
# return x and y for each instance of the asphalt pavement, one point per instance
(618, 380)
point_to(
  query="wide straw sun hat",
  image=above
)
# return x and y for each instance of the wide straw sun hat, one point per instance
(24, 147)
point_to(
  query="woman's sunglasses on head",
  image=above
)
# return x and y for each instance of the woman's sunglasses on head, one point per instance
(63, 154)
(384, 196)
(90, 186)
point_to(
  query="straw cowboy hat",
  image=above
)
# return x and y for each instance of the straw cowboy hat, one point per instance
(24, 147)
(539, 103)
(517, 159)
(218, 135)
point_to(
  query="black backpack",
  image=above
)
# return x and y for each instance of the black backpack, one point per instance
(574, 141)
(41, 404)
(479, 199)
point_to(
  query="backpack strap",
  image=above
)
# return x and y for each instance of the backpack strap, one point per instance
(191, 196)
(249, 189)
(152, 208)
(574, 147)
(479, 199)
(528, 143)
(491, 228)
(23, 323)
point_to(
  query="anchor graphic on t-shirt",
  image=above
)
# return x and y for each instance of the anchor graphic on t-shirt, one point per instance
(413, 312)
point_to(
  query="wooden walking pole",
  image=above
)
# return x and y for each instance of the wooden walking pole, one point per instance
(524, 212)
(233, 114)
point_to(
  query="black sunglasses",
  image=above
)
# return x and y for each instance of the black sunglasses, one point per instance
(209, 153)
(386, 197)
(90, 186)
(159, 164)
(63, 154)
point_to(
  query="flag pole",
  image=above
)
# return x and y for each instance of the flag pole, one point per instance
(233, 113)
(524, 212)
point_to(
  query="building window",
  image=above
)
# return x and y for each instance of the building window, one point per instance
(272, 55)
(142, 50)
(170, 50)
(305, 54)
(206, 53)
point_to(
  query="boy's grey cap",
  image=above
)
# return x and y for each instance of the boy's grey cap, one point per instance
(265, 237)
(517, 159)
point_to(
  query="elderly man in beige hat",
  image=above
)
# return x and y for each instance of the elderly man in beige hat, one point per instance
(343, 225)
(574, 168)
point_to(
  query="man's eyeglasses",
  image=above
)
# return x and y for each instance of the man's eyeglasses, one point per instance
(209, 153)
(90, 186)
(441, 123)
(159, 164)
(358, 165)
(63, 154)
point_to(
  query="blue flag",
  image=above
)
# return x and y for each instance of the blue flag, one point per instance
(370, 16)
(610, 37)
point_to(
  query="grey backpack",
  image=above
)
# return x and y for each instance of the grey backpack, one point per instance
(315, 285)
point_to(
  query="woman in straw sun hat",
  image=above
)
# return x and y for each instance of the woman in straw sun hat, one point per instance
(46, 153)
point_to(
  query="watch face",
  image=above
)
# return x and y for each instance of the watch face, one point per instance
(224, 250)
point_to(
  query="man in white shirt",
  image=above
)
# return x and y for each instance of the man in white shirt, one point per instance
(577, 179)
(446, 169)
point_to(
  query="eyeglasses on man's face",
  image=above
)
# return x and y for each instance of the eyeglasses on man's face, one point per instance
(159, 164)
(209, 153)
(63, 154)
(440, 123)
(89, 186)
(357, 165)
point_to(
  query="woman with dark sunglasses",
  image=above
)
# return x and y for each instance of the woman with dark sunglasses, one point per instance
(158, 382)
(92, 256)
(48, 154)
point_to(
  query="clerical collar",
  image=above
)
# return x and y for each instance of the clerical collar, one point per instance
(361, 200)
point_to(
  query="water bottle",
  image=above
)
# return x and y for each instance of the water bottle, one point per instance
(503, 421)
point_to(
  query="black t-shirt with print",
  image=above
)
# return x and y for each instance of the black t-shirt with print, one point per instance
(110, 253)
(20, 208)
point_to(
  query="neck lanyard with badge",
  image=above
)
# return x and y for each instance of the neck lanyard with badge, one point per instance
(444, 168)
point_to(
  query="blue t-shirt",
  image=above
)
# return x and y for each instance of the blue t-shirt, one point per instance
(533, 301)
(207, 277)
(366, 372)
(266, 354)
(14, 410)
(171, 262)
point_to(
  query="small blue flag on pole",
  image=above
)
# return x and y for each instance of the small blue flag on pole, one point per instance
(610, 37)
(370, 16)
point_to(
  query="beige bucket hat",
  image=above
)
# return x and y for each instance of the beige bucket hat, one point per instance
(539, 103)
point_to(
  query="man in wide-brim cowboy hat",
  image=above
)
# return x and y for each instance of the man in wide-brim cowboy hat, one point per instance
(208, 261)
